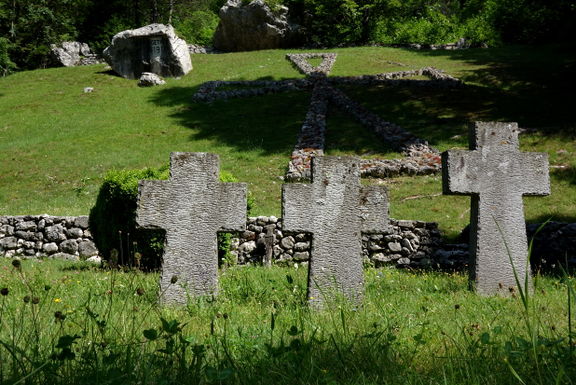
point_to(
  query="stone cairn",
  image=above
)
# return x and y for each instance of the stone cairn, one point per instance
(420, 157)
(46, 236)
(496, 174)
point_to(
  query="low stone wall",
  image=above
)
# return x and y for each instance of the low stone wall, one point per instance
(413, 244)
(405, 243)
(45, 235)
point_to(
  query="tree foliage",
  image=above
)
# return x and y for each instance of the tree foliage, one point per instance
(28, 27)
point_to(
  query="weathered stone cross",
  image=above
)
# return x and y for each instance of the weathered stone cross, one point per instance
(496, 174)
(335, 209)
(191, 207)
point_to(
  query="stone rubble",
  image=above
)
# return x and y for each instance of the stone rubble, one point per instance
(73, 53)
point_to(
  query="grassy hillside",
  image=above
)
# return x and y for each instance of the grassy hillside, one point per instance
(56, 142)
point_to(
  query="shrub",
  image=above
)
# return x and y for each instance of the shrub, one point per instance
(198, 28)
(333, 22)
(113, 220)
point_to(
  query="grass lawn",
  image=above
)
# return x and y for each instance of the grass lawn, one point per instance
(56, 142)
(69, 323)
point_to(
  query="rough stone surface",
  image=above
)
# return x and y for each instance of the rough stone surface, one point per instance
(253, 26)
(191, 207)
(148, 79)
(154, 48)
(335, 209)
(72, 53)
(496, 174)
(87, 249)
(42, 235)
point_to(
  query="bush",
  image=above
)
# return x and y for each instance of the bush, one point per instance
(333, 22)
(199, 28)
(113, 220)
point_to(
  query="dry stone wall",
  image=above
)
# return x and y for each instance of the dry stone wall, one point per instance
(554, 244)
(46, 236)
(404, 243)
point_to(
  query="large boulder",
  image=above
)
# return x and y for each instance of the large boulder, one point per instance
(154, 48)
(254, 26)
(70, 53)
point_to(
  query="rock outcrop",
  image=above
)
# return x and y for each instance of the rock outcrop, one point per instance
(154, 48)
(254, 26)
(72, 53)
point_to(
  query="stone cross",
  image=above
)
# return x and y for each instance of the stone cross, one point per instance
(335, 209)
(192, 206)
(496, 174)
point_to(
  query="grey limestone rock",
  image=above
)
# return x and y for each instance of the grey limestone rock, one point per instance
(65, 256)
(69, 53)
(192, 207)
(26, 226)
(82, 222)
(54, 233)
(87, 249)
(301, 256)
(395, 247)
(9, 243)
(254, 26)
(496, 174)
(247, 247)
(50, 248)
(74, 232)
(149, 79)
(301, 246)
(154, 48)
(96, 260)
(335, 208)
(69, 246)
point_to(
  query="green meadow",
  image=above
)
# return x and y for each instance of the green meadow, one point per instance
(57, 142)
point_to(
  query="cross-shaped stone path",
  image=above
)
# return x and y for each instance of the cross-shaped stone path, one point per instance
(420, 157)
(496, 174)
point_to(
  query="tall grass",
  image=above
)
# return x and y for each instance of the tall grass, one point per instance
(68, 323)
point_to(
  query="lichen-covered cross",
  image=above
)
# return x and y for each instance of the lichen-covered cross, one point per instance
(336, 209)
(192, 207)
(496, 174)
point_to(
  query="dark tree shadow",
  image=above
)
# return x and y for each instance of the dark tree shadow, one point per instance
(536, 86)
(567, 174)
(270, 123)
